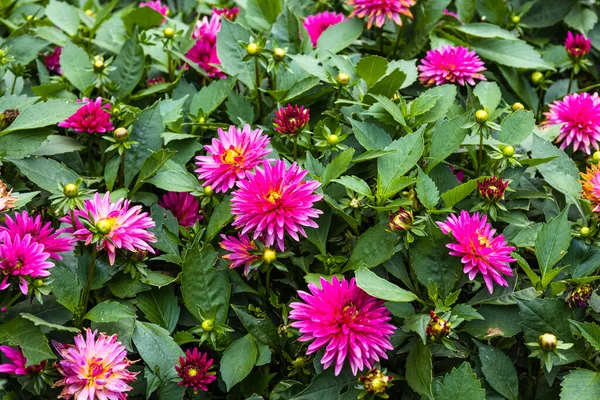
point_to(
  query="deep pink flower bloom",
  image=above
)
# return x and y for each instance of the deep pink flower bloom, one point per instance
(345, 321)
(275, 200)
(580, 115)
(93, 117)
(17, 363)
(577, 45)
(204, 51)
(460, 175)
(291, 120)
(23, 224)
(157, 6)
(118, 225)
(22, 258)
(480, 251)
(228, 13)
(155, 81)
(230, 156)
(377, 11)
(193, 369)
(94, 368)
(492, 189)
(52, 61)
(239, 249)
(317, 24)
(183, 206)
(449, 65)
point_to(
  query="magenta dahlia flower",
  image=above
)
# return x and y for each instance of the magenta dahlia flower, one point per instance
(480, 251)
(22, 258)
(204, 51)
(157, 6)
(235, 152)
(317, 24)
(227, 13)
(93, 117)
(239, 249)
(111, 226)
(291, 120)
(275, 200)
(580, 115)
(377, 11)
(23, 224)
(52, 61)
(345, 321)
(94, 368)
(17, 363)
(451, 65)
(577, 45)
(183, 206)
(193, 369)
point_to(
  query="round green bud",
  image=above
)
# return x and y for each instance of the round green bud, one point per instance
(279, 54)
(518, 106)
(208, 325)
(515, 19)
(333, 139)
(342, 78)
(120, 134)
(548, 341)
(208, 192)
(169, 33)
(585, 231)
(253, 49)
(70, 190)
(99, 65)
(596, 156)
(537, 77)
(508, 151)
(481, 116)
(269, 256)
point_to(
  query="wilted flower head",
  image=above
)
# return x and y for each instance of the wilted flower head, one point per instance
(376, 382)
(275, 200)
(577, 45)
(451, 65)
(591, 186)
(402, 220)
(52, 61)
(156, 5)
(492, 189)
(204, 51)
(377, 11)
(17, 363)
(480, 251)
(111, 226)
(239, 249)
(183, 206)
(155, 81)
(437, 328)
(93, 117)
(6, 200)
(317, 24)
(291, 120)
(22, 258)
(580, 296)
(230, 156)
(345, 321)
(580, 115)
(193, 369)
(228, 13)
(94, 368)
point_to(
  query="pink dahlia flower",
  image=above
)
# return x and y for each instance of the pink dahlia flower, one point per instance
(228, 13)
(93, 117)
(275, 200)
(193, 369)
(449, 65)
(204, 51)
(111, 226)
(183, 206)
(317, 24)
(291, 120)
(580, 115)
(52, 61)
(22, 258)
(157, 6)
(23, 224)
(17, 362)
(239, 249)
(480, 251)
(94, 368)
(377, 11)
(345, 321)
(577, 45)
(235, 152)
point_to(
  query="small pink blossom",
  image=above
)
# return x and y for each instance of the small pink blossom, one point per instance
(317, 24)
(204, 50)
(377, 11)
(194, 370)
(451, 65)
(577, 45)
(23, 259)
(183, 206)
(93, 117)
(52, 61)
(239, 249)
(17, 364)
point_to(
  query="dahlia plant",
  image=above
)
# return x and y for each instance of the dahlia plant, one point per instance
(296, 199)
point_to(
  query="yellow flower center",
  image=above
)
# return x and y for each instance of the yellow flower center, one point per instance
(230, 156)
(483, 241)
(192, 372)
(273, 196)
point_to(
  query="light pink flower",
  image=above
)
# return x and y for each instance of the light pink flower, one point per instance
(580, 115)
(480, 251)
(193, 369)
(17, 363)
(23, 224)
(52, 61)
(204, 51)
(275, 200)
(317, 24)
(230, 156)
(183, 206)
(577, 45)
(93, 117)
(111, 226)
(94, 368)
(157, 6)
(377, 11)
(22, 258)
(345, 321)
(451, 65)
(239, 251)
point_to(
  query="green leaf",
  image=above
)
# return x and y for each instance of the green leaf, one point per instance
(75, 62)
(63, 16)
(447, 138)
(23, 333)
(146, 131)
(372, 248)
(485, 30)
(371, 69)
(46, 173)
(553, 241)
(109, 311)
(418, 324)
(238, 360)
(387, 87)
(151, 166)
(512, 53)
(37, 321)
(582, 259)
(210, 97)
(369, 135)
(66, 287)
(262, 329)
(581, 18)
(327, 386)
(517, 127)
(498, 321)
(22, 144)
(466, 9)
(426, 17)
(383, 102)
(488, 94)
(337, 167)
(427, 191)
(547, 13)
(355, 184)
(43, 114)
(25, 48)
(160, 307)
(339, 36)
(499, 371)
(590, 331)
(381, 288)
(286, 29)
(453, 196)
(129, 67)
(231, 53)
(446, 95)
(220, 217)
(580, 384)
(494, 11)
(55, 144)
(157, 348)
(541, 316)
(460, 383)
(419, 369)
(144, 17)
(390, 167)
(318, 236)
(175, 181)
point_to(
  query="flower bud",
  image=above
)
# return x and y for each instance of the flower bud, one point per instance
(548, 341)
(169, 33)
(481, 116)
(437, 328)
(279, 54)
(355, 203)
(518, 106)
(208, 325)
(104, 226)
(208, 192)
(333, 139)
(342, 78)
(585, 231)
(580, 296)
(70, 190)
(99, 64)
(90, 13)
(120, 134)
(38, 283)
(515, 19)
(492, 189)
(253, 49)
(508, 151)
(401, 220)
(596, 156)
(299, 362)
(375, 381)
(269, 256)
(537, 77)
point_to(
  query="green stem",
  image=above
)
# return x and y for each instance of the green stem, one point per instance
(88, 287)
(274, 80)
(258, 94)
(268, 287)
(73, 220)
(14, 83)
(381, 44)
(12, 300)
(571, 81)
(397, 41)
(170, 66)
(540, 104)
(295, 140)
(480, 155)
(122, 170)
